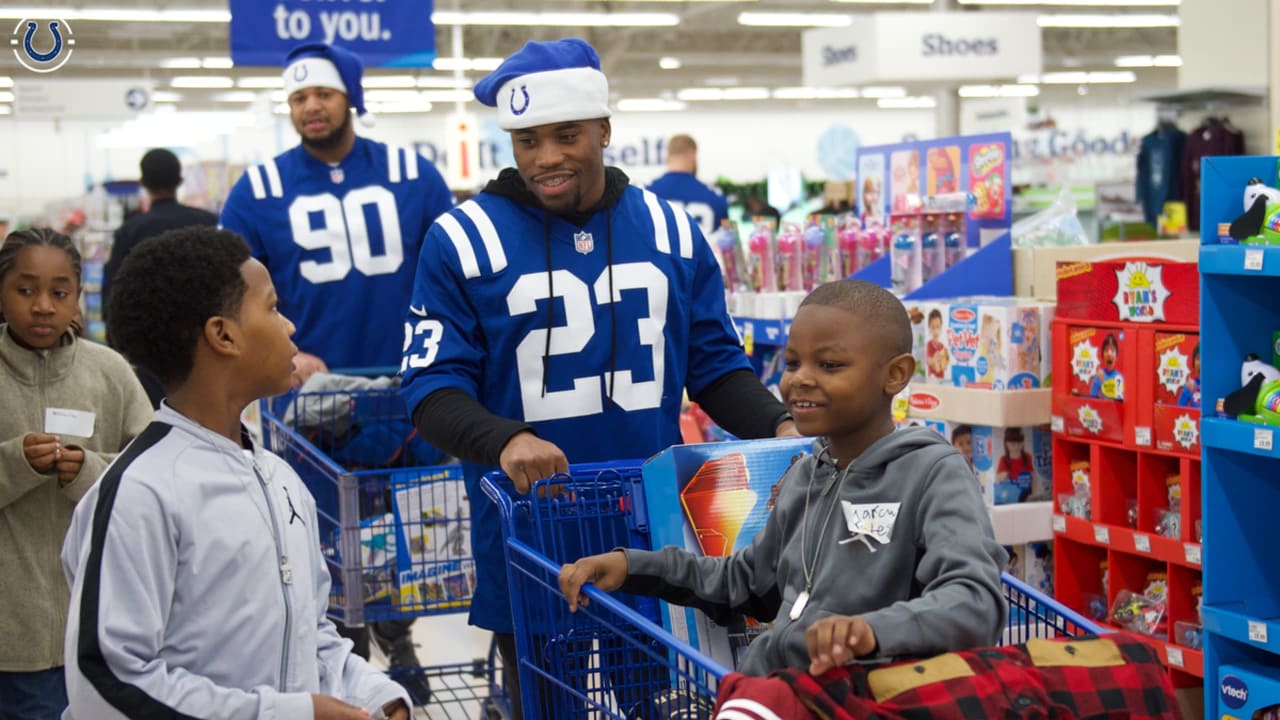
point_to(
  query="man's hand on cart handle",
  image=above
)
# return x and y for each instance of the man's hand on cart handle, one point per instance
(331, 708)
(528, 458)
(304, 366)
(834, 641)
(606, 571)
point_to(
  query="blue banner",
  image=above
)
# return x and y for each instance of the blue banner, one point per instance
(384, 33)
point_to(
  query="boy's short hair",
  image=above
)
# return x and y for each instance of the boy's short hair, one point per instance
(165, 292)
(877, 309)
(935, 314)
(960, 431)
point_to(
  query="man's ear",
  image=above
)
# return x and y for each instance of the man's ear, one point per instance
(606, 131)
(898, 373)
(222, 335)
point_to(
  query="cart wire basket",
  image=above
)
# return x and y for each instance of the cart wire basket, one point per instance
(611, 658)
(394, 529)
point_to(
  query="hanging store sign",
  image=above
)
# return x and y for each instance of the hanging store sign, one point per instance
(385, 33)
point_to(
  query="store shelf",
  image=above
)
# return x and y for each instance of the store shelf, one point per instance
(1223, 434)
(1022, 523)
(1126, 540)
(976, 406)
(1246, 260)
(1230, 621)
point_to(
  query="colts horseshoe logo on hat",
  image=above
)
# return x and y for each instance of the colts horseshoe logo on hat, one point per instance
(512, 103)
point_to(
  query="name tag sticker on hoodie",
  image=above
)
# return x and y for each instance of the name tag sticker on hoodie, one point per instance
(62, 421)
(870, 520)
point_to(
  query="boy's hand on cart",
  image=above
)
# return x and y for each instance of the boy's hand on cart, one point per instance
(834, 641)
(70, 460)
(304, 366)
(528, 458)
(331, 708)
(606, 571)
(41, 451)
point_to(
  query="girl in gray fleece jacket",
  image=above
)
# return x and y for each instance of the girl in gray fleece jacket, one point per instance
(879, 545)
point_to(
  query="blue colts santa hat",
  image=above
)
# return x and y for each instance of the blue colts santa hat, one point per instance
(547, 82)
(327, 66)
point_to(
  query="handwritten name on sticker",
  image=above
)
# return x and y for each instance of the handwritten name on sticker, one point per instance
(870, 520)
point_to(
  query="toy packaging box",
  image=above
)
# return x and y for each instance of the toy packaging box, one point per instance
(1177, 380)
(1247, 692)
(433, 538)
(711, 499)
(994, 343)
(929, 341)
(1176, 428)
(1013, 465)
(1095, 362)
(1130, 291)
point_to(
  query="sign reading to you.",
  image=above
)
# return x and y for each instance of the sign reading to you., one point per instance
(896, 47)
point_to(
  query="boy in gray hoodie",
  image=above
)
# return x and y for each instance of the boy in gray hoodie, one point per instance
(879, 545)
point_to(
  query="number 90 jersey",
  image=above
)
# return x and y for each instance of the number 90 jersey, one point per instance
(633, 301)
(341, 243)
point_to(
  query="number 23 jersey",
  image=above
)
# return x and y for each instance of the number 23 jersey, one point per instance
(637, 315)
(341, 243)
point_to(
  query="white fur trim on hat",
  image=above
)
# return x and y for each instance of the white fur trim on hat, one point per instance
(553, 96)
(309, 72)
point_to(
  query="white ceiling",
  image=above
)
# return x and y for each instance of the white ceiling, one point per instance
(712, 48)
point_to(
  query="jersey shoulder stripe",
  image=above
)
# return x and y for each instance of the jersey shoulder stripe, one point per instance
(455, 224)
(271, 187)
(661, 233)
(402, 163)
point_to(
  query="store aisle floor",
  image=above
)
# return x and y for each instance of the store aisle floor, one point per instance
(446, 640)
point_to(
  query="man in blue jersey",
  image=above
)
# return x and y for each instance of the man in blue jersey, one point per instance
(339, 222)
(681, 188)
(560, 315)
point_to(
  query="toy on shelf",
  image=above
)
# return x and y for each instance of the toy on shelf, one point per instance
(1137, 612)
(1260, 223)
(1188, 634)
(1258, 400)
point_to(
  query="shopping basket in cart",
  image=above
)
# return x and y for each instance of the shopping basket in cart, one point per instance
(396, 534)
(606, 660)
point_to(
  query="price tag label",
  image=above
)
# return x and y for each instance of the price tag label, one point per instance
(1102, 534)
(1192, 553)
(1142, 436)
(1262, 440)
(1056, 424)
(1253, 259)
(1175, 656)
(1059, 524)
(1257, 631)
(1141, 543)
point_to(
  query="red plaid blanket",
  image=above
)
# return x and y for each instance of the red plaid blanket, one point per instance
(1116, 676)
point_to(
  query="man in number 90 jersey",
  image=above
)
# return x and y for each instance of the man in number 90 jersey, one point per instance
(558, 316)
(680, 186)
(338, 220)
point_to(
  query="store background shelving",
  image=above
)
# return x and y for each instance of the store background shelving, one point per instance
(1239, 287)
(1097, 557)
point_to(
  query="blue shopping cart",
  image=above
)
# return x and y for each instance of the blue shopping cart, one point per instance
(395, 531)
(611, 659)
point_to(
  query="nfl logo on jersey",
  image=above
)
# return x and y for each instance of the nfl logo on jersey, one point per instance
(583, 242)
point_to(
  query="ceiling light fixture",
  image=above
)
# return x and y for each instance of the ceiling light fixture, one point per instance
(1147, 61)
(217, 63)
(6, 110)
(389, 81)
(481, 64)
(161, 96)
(650, 105)
(557, 19)
(907, 103)
(6, 96)
(796, 19)
(235, 96)
(180, 63)
(669, 63)
(6, 81)
(1079, 3)
(815, 93)
(884, 92)
(268, 82)
(194, 15)
(743, 93)
(199, 81)
(997, 91)
(1111, 21)
(434, 81)
(1079, 78)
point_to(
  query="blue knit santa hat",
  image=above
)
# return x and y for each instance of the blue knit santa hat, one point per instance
(327, 66)
(545, 83)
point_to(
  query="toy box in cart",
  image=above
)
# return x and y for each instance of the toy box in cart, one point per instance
(711, 499)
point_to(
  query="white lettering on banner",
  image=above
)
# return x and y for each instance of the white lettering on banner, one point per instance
(349, 25)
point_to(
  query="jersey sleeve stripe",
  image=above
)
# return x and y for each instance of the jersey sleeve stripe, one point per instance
(273, 178)
(686, 235)
(488, 234)
(462, 244)
(410, 164)
(659, 222)
(255, 182)
(393, 163)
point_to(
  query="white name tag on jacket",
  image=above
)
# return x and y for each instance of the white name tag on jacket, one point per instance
(62, 421)
(874, 520)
